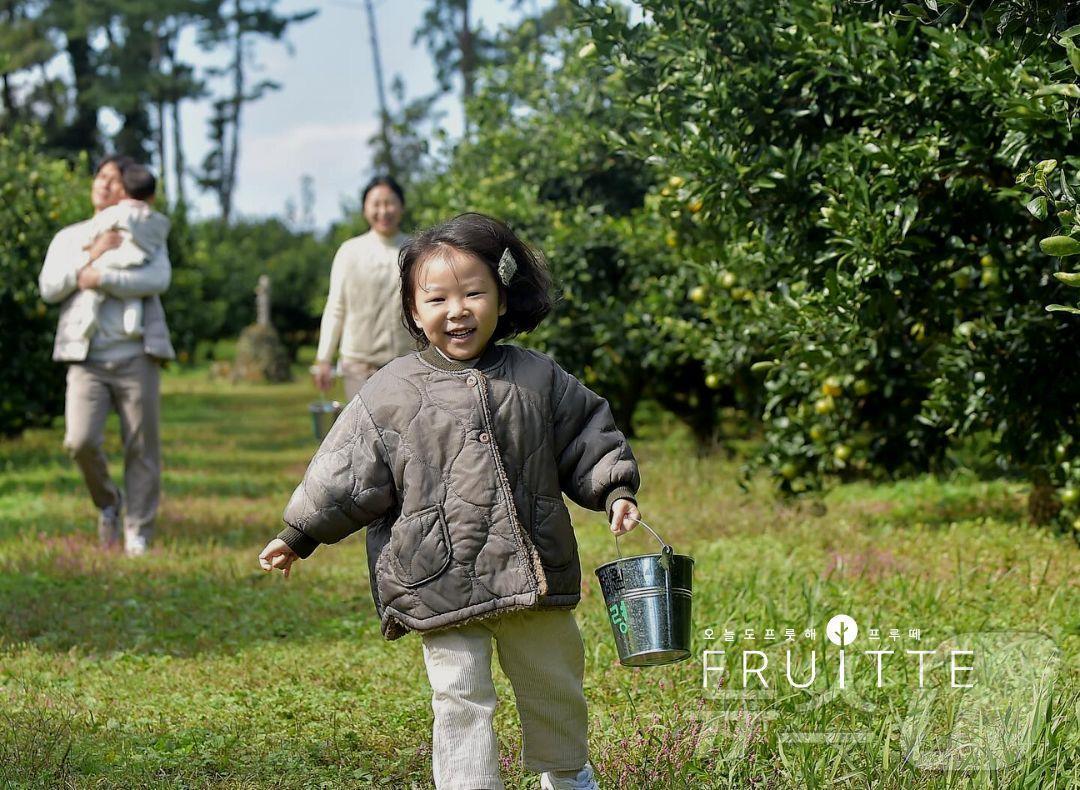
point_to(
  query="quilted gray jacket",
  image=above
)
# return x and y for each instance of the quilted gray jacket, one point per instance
(458, 474)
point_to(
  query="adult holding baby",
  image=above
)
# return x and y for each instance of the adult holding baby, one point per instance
(113, 336)
(362, 318)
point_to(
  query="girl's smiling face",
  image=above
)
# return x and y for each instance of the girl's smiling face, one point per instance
(457, 303)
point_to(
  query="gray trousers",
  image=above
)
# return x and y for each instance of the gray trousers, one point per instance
(542, 654)
(132, 387)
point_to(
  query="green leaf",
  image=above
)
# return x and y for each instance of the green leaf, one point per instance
(1066, 190)
(1068, 89)
(1037, 207)
(1069, 278)
(915, 10)
(1060, 246)
(1061, 308)
(1073, 53)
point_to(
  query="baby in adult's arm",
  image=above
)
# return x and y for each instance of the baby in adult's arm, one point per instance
(143, 233)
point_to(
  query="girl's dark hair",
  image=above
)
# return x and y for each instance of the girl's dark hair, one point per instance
(386, 181)
(528, 297)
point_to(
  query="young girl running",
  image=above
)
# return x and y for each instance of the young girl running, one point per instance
(456, 458)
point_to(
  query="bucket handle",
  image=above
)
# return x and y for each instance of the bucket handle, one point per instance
(665, 550)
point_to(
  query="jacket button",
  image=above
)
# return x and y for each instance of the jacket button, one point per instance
(485, 438)
(471, 381)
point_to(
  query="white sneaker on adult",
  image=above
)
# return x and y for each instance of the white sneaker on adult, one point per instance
(135, 545)
(583, 779)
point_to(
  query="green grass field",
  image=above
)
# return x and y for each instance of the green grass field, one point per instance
(192, 668)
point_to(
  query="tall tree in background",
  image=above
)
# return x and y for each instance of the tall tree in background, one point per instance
(401, 147)
(122, 55)
(23, 46)
(458, 47)
(385, 156)
(238, 28)
(176, 81)
(72, 123)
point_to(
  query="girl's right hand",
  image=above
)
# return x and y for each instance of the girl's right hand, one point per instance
(277, 556)
(323, 375)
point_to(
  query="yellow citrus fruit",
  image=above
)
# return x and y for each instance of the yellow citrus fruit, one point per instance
(712, 381)
(698, 294)
(832, 387)
(841, 452)
(825, 405)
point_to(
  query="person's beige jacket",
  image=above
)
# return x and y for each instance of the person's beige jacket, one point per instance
(362, 318)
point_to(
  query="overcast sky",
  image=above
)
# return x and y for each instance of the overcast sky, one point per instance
(321, 119)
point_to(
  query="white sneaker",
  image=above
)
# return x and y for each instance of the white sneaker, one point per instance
(135, 545)
(584, 779)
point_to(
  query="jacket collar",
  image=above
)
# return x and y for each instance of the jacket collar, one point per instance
(488, 358)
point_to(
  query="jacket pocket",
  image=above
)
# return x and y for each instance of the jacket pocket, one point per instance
(420, 545)
(553, 534)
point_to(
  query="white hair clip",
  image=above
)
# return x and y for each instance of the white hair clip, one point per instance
(507, 267)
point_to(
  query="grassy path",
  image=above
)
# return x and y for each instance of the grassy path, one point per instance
(191, 668)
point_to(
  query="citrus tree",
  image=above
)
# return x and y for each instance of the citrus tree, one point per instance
(40, 195)
(845, 184)
(537, 156)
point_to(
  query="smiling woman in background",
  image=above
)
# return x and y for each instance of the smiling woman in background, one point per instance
(362, 319)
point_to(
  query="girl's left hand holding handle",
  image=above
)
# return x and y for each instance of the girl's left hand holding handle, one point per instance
(624, 516)
(277, 556)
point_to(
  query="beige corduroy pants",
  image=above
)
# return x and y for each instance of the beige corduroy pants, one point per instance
(542, 655)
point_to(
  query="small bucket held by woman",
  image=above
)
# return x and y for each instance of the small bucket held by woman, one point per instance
(323, 414)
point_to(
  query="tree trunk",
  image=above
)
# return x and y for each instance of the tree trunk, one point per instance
(168, 44)
(468, 60)
(1043, 503)
(9, 101)
(231, 155)
(82, 133)
(384, 116)
(157, 60)
(159, 138)
(178, 154)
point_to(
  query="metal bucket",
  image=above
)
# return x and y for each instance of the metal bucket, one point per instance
(648, 603)
(323, 414)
